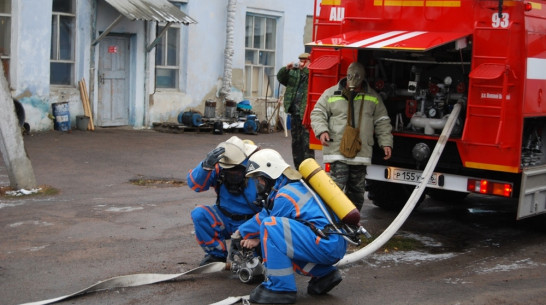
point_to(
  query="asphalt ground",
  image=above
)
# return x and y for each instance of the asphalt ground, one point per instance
(103, 224)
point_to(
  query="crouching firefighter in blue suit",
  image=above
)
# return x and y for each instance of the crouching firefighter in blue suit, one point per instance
(223, 169)
(291, 231)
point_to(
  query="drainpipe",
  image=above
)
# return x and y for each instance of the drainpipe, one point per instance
(92, 60)
(228, 52)
(147, 86)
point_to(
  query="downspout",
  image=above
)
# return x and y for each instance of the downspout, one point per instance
(92, 60)
(228, 52)
(145, 114)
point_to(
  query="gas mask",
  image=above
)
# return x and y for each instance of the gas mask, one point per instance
(355, 75)
(264, 184)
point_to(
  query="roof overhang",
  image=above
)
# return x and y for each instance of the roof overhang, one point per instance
(390, 40)
(151, 10)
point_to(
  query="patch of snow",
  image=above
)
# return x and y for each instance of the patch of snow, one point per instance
(456, 281)
(35, 222)
(410, 257)
(34, 249)
(123, 209)
(22, 192)
(11, 204)
(521, 264)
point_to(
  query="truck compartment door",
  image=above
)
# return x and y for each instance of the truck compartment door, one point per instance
(532, 198)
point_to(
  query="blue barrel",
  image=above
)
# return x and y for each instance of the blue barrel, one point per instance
(61, 116)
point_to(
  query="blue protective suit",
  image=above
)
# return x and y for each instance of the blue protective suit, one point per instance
(215, 223)
(288, 244)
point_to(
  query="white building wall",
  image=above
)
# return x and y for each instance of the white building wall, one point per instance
(29, 63)
(205, 51)
(202, 56)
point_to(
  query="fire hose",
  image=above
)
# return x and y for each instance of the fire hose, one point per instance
(134, 280)
(245, 265)
(414, 197)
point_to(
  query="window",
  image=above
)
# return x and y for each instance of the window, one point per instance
(260, 43)
(166, 58)
(5, 34)
(62, 43)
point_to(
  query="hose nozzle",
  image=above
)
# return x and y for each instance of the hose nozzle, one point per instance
(363, 231)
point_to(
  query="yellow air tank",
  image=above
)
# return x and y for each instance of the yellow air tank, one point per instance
(329, 192)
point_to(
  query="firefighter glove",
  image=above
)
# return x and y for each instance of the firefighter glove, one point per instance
(213, 157)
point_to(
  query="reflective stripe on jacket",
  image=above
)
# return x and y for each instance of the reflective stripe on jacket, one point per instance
(330, 115)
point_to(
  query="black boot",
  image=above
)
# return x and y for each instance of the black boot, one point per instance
(321, 285)
(263, 295)
(209, 258)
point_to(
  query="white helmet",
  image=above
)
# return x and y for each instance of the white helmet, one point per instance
(269, 162)
(236, 151)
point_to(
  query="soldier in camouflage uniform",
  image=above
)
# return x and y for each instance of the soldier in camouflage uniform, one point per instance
(295, 78)
(329, 119)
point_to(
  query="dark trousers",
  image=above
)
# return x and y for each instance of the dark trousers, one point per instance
(351, 179)
(300, 141)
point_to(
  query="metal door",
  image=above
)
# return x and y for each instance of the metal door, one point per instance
(113, 81)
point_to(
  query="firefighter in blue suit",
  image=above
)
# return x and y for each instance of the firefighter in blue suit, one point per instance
(291, 231)
(223, 169)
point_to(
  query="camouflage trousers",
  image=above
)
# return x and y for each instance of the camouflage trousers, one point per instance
(300, 141)
(351, 179)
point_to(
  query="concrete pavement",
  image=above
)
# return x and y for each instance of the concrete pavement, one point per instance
(101, 225)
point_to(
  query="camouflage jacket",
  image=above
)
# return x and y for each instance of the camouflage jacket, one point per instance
(295, 81)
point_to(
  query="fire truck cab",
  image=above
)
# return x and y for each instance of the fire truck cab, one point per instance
(423, 57)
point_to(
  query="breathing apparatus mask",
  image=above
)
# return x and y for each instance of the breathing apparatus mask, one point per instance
(355, 75)
(264, 185)
(234, 179)
(267, 165)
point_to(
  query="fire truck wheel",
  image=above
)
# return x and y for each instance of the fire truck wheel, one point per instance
(390, 196)
(446, 196)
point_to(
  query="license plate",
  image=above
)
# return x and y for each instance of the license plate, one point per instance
(412, 176)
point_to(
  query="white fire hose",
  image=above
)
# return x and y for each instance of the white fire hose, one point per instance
(146, 279)
(412, 200)
(134, 280)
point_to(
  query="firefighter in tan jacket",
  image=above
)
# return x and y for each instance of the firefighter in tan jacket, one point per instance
(329, 120)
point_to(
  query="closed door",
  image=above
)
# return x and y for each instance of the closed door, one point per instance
(113, 82)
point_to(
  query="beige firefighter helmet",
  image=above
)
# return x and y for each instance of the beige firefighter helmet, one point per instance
(237, 151)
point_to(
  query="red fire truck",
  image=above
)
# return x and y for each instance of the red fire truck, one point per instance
(422, 57)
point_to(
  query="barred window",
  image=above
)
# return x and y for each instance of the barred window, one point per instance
(62, 42)
(260, 44)
(5, 34)
(167, 64)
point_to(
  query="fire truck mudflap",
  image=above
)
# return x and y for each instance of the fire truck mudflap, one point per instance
(532, 198)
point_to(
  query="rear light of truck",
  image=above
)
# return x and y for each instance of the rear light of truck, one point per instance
(489, 187)
(327, 167)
